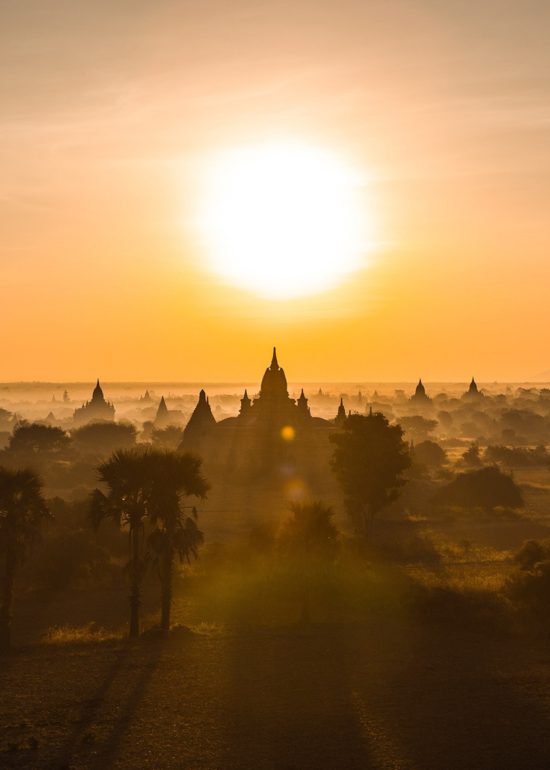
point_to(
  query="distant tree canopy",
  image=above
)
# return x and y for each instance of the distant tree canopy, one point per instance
(472, 455)
(417, 425)
(486, 488)
(104, 437)
(167, 438)
(370, 457)
(528, 587)
(518, 457)
(445, 418)
(31, 438)
(524, 422)
(531, 553)
(429, 453)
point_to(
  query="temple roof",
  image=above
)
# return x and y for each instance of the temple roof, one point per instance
(97, 395)
(274, 383)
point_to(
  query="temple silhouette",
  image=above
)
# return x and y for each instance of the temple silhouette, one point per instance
(272, 430)
(95, 410)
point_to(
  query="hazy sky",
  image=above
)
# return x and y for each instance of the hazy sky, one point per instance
(108, 108)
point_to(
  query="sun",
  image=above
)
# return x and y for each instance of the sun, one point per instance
(283, 220)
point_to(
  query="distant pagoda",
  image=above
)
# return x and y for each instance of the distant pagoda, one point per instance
(420, 395)
(95, 410)
(473, 391)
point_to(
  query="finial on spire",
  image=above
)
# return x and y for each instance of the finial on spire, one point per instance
(274, 362)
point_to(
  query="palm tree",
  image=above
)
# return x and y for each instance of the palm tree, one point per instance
(127, 503)
(310, 539)
(22, 511)
(175, 475)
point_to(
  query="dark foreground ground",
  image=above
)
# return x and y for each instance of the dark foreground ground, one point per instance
(325, 697)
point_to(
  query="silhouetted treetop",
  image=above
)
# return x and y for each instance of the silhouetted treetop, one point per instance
(105, 437)
(487, 488)
(370, 457)
(32, 438)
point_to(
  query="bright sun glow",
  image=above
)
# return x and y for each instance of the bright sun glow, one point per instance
(283, 220)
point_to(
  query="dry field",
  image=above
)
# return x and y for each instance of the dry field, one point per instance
(389, 696)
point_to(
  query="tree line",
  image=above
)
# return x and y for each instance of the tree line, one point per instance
(146, 491)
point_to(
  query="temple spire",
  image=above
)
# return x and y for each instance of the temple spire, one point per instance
(274, 362)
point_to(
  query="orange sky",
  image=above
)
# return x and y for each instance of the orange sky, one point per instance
(107, 109)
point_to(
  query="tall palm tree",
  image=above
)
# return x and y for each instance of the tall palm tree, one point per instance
(22, 512)
(127, 503)
(175, 476)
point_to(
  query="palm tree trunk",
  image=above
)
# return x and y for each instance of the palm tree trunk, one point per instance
(7, 603)
(135, 598)
(166, 590)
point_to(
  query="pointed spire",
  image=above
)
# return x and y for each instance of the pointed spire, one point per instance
(341, 414)
(98, 393)
(245, 403)
(202, 396)
(302, 400)
(274, 362)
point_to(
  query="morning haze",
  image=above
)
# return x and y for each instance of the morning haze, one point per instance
(274, 385)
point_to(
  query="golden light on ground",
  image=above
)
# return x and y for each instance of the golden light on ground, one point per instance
(283, 220)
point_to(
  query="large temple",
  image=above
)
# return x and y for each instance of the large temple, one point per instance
(271, 431)
(95, 410)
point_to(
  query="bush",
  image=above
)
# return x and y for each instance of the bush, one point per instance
(429, 453)
(487, 488)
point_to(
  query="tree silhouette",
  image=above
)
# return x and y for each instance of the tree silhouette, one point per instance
(486, 488)
(175, 475)
(429, 453)
(32, 438)
(310, 537)
(167, 438)
(104, 437)
(370, 457)
(149, 485)
(472, 456)
(128, 503)
(22, 512)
